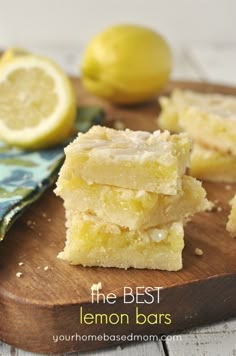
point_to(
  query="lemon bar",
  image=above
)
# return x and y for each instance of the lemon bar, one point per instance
(171, 108)
(130, 208)
(129, 159)
(91, 242)
(211, 165)
(231, 224)
(212, 112)
(215, 129)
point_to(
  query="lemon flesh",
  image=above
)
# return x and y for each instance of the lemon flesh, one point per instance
(126, 64)
(37, 102)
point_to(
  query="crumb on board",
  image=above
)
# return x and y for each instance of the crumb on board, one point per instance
(31, 224)
(228, 187)
(44, 215)
(49, 219)
(39, 233)
(211, 206)
(96, 287)
(198, 251)
(19, 274)
(214, 206)
(38, 267)
(119, 125)
(21, 264)
(46, 268)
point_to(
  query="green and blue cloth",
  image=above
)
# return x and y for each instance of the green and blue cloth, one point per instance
(25, 175)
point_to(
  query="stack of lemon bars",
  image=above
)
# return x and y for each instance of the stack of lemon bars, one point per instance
(127, 198)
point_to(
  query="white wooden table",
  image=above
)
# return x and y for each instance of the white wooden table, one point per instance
(203, 63)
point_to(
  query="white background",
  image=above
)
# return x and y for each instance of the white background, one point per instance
(202, 33)
(73, 22)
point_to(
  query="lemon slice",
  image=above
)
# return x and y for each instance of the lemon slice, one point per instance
(37, 102)
(11, 53)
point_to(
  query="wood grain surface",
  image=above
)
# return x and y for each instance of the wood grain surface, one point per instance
(45, 302)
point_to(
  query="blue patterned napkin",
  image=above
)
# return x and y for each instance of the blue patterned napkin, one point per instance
(25, 175)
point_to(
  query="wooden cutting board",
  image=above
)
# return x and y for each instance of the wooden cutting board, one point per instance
(45, 302)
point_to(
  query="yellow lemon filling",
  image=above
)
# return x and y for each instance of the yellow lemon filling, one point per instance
(91, 242)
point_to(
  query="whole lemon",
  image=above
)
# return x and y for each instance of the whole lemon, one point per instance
(126, 64)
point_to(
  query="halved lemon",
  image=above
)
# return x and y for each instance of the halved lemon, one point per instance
(11, 53)
(37, 102)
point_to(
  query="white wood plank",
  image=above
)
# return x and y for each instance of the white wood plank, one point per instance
(5, 350)
(69, 58)
(184, 67)
(215, 340)
(216, 62)
(141, 349)
(181, 21)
